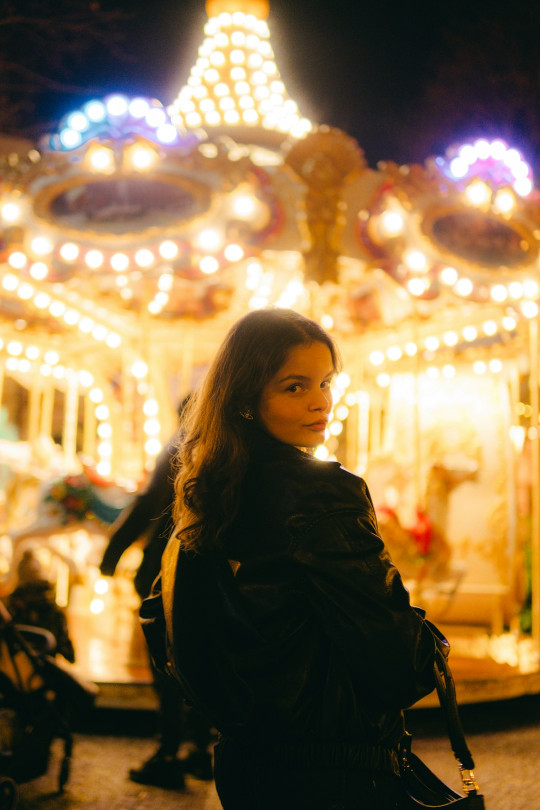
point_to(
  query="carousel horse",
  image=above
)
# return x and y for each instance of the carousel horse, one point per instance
(421, 552)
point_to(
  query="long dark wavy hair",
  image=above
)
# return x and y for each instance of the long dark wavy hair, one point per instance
(216, 438)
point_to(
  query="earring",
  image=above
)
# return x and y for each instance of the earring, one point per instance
(246, 413)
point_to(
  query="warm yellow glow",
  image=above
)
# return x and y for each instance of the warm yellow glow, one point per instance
(517, 437)
(416, 286)
(515, 290)
(168, 250)
(95, 395)
(101, 586)
(97, 606)
(152, 447)
(119, 262)
(489, 328)
(464, 287)
(209, 265)
(394, 353)
(479, 367)
(411, 348)
(450, 338)
(102, 159)
(11, 212)
(376, 358)
(383, 380)
(69, 251)
(449, 276)
(504, 201)
(327, 322)
(478, 193)
(142, 157)
(495, 366)
(41, 245)
(499, 293)
(470, 333)
(94, 259)
(530, 288)
(144, 257)
(139, 369)
(236, 60)
(431, 343)
(17, 259)
(233, 253)
(529, 309)
(39, 271)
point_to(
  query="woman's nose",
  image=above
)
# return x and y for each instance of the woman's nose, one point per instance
(322, 401)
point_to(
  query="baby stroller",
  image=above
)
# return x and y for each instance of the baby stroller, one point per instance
(37, 696)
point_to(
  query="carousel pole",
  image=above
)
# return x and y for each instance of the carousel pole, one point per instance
(535, 482)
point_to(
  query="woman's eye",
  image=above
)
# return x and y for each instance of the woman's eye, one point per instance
(294, 387)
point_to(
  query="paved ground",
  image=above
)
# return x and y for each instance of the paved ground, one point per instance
(504, 738)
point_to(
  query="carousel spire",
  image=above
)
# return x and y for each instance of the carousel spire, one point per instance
(235, 81)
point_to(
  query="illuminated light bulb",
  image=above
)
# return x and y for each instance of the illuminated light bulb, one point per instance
(470, 333)
(11, 212)
(233, 253)
(450, 338)
(194, 119)
(231, 117)
(392, 223)
(152, 447)
(165, 282)
(411, 349)
(69, 251)
(139, 369)
(57, 309)
(509, 323)
(150, 407)
(168, 250)
(209, 265)
(432, 373)
(86, 325)
(464, 287)
(342, 412)
(335, 428)
(449, 276)
(101, 586)
(221, 89)
(102, 413)
(152, 427)
(42, 300)
(72, 317)
(93, 259)
(495, 366)
(448, 371)
(78, 121)
(45, 370)
(206, 105)
(95, 111)
(17, 260)
(42, 245)
(166, 133)
(530, 288)
(255, 60)
(102, 159)
(99, 332)
(10, 282)
(226, 103)
(327, 322)
(515, 290)
(479, 367)
(154, 308)
(209, 240)
(383, 380)
(238, 38)
(119, 262)
(529, 309)
(504, 201)
(523, 186)
(95, 395)
(86, 379)
(431, 343)
(459, 167)
(103, 468)
(51, 358)
(237, 57)
(161, 298)
(394, 353)
(144, 257)
(212, 117)
(478, 193)
(156, 117)
(467, 153)
(321, 453)
(217, 58)
(250, 116)
(482, 148)
(342, 380)
(499, 293)
(489, 328)
(259, 77)
(14, 348)
(211, 76)
(117, 105)
(416, 286)
(244, 206)
(104, 430)
(24, 366)
(11, 364)
(113, 340)
(142, 157)
(70, 138)
(242, 88)
(138, 107)
(32, 352)
(376, 358)
(59, 372)
(104, 449)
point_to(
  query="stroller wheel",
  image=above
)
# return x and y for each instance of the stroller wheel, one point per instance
(9, 793)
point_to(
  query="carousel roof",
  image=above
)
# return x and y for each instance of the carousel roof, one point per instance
(134, 223)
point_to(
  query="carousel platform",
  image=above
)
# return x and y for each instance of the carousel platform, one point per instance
(110, 651)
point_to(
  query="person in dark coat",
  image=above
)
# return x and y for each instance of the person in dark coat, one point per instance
(150, 515)
(288, 624)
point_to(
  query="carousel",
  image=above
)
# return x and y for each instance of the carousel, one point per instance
(135, 234)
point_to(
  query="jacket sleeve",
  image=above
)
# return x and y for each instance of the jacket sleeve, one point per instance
(363, 606)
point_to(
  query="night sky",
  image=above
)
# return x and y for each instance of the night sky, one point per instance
(361, 67)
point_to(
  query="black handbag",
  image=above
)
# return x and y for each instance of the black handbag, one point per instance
(422, 788)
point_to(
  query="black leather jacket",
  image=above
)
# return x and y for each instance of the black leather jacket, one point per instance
(313, 637)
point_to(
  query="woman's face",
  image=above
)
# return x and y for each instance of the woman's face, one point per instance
(296, 402)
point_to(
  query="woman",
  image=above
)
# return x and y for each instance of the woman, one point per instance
(291, 627)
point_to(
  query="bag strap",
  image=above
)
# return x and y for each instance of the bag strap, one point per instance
(446, 691)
